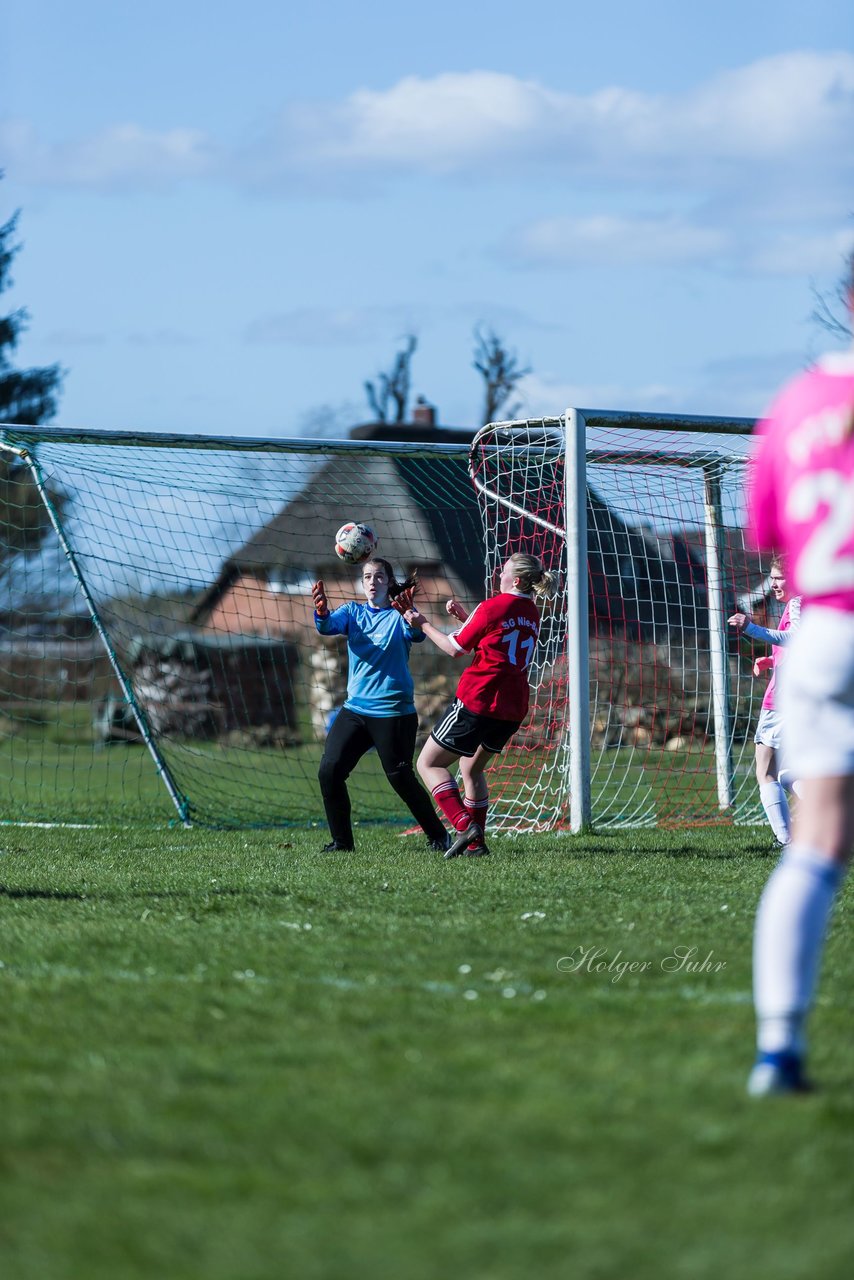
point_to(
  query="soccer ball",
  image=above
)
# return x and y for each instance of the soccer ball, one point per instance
(355, 543)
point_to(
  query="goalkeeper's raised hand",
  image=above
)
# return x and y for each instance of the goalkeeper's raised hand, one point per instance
(318, 595)
(405, 605)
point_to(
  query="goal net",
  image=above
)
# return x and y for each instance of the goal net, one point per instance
(159, 661)
(158, 654)
(672, 699)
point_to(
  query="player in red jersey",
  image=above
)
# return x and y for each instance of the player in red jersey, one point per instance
(492, 694)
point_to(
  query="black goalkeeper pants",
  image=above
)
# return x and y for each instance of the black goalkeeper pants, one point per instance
(351, 736)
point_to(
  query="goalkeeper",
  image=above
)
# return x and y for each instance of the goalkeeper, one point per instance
(380, 707)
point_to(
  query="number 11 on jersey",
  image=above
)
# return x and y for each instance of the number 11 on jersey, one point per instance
(513, 647)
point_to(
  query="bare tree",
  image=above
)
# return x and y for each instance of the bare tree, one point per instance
(501, 373)
(389, 395)
(834, 313)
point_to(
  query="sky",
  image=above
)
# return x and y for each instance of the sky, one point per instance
(232, 215)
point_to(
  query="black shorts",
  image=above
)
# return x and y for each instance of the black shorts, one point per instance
(463, 731)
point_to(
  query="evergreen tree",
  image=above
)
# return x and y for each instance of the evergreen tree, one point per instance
(27, 398)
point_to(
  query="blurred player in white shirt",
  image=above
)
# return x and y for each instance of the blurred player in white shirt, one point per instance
(801, 502)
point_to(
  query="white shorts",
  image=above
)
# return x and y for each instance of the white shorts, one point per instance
(769, 729)
(816, 695)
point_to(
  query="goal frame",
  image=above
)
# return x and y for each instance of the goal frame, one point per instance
(574, 423)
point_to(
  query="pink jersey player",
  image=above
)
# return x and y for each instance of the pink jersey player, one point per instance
(801, 492)
(777, 639)
(801, 502)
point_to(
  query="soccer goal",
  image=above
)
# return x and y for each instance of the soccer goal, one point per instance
(158, 658)
(641, 518)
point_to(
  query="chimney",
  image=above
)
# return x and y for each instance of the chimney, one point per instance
(424, 414)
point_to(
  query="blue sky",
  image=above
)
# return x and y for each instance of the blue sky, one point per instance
(231, 214)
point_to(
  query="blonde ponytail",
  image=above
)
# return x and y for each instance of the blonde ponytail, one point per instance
(533, 578)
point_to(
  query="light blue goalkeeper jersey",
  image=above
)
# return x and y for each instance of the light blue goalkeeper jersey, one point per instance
(378, 643)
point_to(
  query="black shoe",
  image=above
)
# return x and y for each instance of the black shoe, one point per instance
(335, 847)
(440, 846)
(778, 1073)
(471, 835)
(479, 850)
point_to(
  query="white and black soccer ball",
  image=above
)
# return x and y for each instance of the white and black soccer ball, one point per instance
(355, 542)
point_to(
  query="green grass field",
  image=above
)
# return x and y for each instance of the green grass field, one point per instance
(227, 1056)
(52, 769)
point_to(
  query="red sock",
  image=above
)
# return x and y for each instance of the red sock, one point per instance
(478, 810)
(447, 797)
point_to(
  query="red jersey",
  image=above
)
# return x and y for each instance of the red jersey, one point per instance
(503, 634)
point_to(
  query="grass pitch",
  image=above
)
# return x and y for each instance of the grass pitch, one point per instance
(53, 769)
(227, 1056)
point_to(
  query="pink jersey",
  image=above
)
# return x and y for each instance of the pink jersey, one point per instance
(801, 486)
(778, 652)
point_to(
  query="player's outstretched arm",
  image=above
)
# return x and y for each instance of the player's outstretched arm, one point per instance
(755, 632)
(440, 640)
(405, 605)
(742, 624)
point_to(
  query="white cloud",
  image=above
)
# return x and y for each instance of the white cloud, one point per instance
(438, 124)
(773, 107)
(119, 157)
(791, 253)
(792, 114)
(549, 395)
(610, 240)
(762, 155)
(780, 110)
(736, 388)
(741, 386)
(616, 241)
